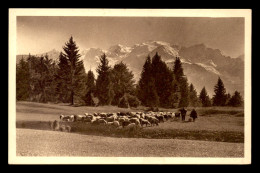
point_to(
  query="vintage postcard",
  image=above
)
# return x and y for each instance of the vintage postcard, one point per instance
(129, 86)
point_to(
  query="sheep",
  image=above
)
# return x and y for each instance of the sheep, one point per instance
(68, 128)
(165, 116)
(55, 125)
(102, 121)
(94, 122)
(97, 118)
(65, 128)
(110, 119)
(125, 123)
(177, 115)
(121, 120)
(62, 128)
(132, 114)
(135, 120)
(116, 123)
(147, 116)
(110, 123)
(150, 118)
(137, 116)
(91, 116)
(79, 117)
(160, 118)
(87, 119)
(66, 117)
(63, 118)
(171, 115)
(109, 114)
(115, 115)
(121, 113)
(144, 121)
(154, 121)
(103, 115)
(142, 115)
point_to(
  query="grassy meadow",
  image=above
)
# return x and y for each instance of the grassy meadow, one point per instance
(53, 143)
(222, 124)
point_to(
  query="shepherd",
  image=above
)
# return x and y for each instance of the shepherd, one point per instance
(193, 115)
(183, 114)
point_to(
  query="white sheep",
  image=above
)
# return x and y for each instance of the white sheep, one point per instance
(116, 123)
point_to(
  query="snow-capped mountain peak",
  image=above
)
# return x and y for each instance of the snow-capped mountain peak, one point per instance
(202, 65)
(119, 49)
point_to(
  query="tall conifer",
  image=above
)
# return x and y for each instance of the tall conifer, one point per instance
(182, 83)
(75, 77)
(219, 98)
(146, 87)
(22, 80)
(123, 82)
(204, 98)
(236, 100)
(193, 98)
(104, 85)
(163, 79)
(90, 89)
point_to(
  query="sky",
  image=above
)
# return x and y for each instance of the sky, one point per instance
(40, 34)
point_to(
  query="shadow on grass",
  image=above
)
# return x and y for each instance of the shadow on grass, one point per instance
(213, 111)
(149, 132)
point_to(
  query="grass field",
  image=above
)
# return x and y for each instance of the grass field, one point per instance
(50, 143)
(213, 124)
(218, 132)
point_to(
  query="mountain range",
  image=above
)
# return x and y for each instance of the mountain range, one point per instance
(202, 65)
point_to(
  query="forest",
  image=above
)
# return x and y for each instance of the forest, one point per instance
(40, 79)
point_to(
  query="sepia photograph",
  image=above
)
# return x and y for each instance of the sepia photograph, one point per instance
(129, 86)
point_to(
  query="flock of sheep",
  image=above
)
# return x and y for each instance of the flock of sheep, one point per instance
(128, 120)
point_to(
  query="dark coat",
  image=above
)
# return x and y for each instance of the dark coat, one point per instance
(183, 112)
(193, 114)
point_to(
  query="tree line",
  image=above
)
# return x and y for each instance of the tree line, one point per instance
(41, 79)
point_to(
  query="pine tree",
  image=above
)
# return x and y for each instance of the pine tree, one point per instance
(123, 81)
(193, 98)
(152, 96)
(163, 78)
(144, 79)
(219, 98)
(146, 86)
(47, 78)
(76, 74)
(236, 100)
(182, 83)
(104, 85)
(176, 95)
(204, 98)
(184, 92)
(42, 82)
(22, 80)
(178, 70)
(90, 89)
(228, 97)
(63, 79)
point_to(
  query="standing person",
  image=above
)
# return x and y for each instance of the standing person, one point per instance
(193, 115)
(183, 114)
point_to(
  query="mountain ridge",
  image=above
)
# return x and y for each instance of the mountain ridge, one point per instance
(202, 65)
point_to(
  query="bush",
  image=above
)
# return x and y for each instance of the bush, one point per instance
(133, 101)
(123, 102)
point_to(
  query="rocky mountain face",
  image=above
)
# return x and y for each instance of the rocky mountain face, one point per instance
(202, 65)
